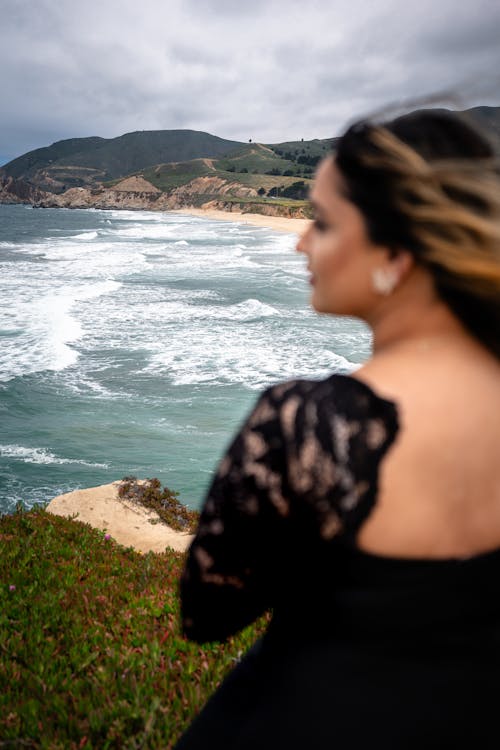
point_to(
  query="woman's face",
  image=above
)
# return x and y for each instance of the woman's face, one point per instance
(339, 252)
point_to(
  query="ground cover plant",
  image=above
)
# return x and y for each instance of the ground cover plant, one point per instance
(164, 502)
(91, 654)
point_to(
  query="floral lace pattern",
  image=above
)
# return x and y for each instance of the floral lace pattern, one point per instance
(305, 462)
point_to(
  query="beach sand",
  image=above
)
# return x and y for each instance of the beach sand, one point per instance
(127, 522)
(278, 223)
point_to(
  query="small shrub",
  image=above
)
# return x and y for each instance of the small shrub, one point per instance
(150, 494)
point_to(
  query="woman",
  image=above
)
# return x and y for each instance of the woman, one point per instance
(365, 509)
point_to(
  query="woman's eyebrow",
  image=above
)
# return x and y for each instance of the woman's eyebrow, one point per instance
(317, 207)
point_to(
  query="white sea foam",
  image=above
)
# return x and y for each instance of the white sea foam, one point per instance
(250, 309)
(248, 356)
(162, 322)
(145, 232)
(85, 236)
(45, 327)
(42, 456)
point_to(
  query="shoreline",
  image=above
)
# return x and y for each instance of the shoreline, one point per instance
(277, 223)
(290, 225)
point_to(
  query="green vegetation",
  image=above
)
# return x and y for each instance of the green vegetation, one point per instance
(304, 153)
(297, 190)
(255, 205)
(150, 494)
(91, 650)
(122, 156)
(169, 176)
(242, 168)
(253, 157)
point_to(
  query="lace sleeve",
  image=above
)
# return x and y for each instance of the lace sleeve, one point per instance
(301, 471)
(224, 585)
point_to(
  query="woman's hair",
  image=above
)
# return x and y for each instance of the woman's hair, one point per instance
(428, 182)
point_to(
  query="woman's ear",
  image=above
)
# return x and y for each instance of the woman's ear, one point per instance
(402, 261)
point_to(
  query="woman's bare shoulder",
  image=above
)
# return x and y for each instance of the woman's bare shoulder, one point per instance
(437, 375)
(440, 484)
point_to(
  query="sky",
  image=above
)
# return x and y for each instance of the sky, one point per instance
(269, 70)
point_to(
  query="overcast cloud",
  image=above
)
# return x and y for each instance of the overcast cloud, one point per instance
(269, 70)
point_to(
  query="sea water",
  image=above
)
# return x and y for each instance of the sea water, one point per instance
(134, 343)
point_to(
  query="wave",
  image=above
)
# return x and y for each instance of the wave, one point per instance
(145, 232)
(91, 291)
(160, 312)
(43, 456)
(249, 357)
(85, 236)
(250, 309)
(43, 330)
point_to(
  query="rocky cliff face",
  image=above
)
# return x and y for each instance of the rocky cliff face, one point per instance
(136, 193)
(18, 191)
(266, 209)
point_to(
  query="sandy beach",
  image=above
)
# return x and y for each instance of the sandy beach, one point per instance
(127, 522)
(278, 223)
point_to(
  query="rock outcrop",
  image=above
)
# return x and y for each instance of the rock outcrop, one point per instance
(19, 191)
(127, 522)
(139, 194)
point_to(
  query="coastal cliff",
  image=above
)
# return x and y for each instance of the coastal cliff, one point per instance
(166, 170)
(14, 190)
(136, 193)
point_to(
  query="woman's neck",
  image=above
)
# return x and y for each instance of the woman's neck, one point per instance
(417, 328)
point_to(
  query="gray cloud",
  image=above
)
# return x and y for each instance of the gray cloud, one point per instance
(269, 71)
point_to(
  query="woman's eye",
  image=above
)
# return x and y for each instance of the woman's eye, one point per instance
(320, 225)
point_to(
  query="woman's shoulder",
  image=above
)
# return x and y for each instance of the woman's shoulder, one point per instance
(342, 393)
(338, 415)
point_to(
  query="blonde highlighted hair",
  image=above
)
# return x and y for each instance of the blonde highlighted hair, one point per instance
(429, 182)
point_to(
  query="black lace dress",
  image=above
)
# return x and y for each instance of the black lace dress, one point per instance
(363, 651)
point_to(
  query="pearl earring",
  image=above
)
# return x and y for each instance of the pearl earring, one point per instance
(384, 280)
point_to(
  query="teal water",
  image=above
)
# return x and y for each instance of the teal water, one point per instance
(136, 342)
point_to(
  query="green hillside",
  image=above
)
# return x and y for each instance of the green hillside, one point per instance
(253, 165)
(111, 158)
(172, 159)
(26, 165)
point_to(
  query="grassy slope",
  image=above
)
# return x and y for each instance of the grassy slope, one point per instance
(92, 654)
(316, 147)
(255, 159)
(121, 156)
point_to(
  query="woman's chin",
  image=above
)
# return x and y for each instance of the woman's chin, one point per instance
(327, 308)
(319, 305)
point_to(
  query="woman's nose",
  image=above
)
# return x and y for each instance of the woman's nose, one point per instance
(302, 244)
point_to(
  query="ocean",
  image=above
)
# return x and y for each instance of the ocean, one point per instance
(134, 343)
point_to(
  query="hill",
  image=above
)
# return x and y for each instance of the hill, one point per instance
(165, 169)
(488, 119)
(80, 161)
